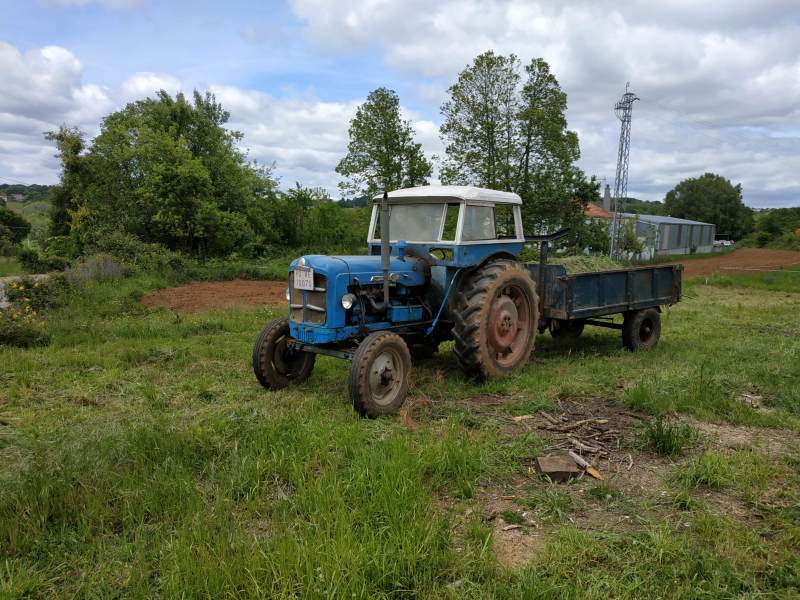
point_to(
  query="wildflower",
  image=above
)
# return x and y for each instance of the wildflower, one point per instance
(36, 285)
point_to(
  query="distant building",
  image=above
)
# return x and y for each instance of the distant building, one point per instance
(663, 236)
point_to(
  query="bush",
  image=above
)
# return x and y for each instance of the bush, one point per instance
(21, 329)
(138, 255)
(35, 262)
(101, 267)
(39, 294)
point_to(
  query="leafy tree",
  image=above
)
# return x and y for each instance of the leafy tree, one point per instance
(13, 227)
(505, 133)
(382, 154)
(712, 199)
(165, 170)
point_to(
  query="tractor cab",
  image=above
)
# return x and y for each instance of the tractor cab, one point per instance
(454, 226)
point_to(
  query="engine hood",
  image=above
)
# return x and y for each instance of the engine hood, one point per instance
(405, 271)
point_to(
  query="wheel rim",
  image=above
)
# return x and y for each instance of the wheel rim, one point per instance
(386, 375)
(509, 325)
(646, 330)
(285, 360)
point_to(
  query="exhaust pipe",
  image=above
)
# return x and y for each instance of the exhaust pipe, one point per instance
(386, 249)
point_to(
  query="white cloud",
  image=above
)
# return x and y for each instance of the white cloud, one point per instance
(144, 84)
(707, 72)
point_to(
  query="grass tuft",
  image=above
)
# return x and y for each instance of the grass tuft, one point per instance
(666, 438)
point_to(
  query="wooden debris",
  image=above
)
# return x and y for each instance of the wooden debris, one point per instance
(560, 467)
(552, 420)
(510, 527)
(523, 418)
(588, 467)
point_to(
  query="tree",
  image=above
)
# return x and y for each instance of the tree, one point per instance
(165, 170)
(13, 229)
(712, 199)
(382, 154)
(505, 133)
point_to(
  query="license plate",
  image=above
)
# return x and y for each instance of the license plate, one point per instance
(304, 278)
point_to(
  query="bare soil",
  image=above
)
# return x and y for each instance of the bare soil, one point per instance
(208, 295)
(743, 259)
(640, 478)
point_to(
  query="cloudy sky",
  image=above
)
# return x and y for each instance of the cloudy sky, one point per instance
(719, 80)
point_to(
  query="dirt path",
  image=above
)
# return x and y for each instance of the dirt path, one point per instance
(207, 295)
(742, 258)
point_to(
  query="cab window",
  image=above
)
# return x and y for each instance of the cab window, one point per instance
(478, 223)
(504, 221)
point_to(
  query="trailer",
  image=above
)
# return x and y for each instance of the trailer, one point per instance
(442, 265)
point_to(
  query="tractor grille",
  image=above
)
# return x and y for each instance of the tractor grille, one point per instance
(306, 306)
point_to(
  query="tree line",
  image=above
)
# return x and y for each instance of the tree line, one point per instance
(166, 170)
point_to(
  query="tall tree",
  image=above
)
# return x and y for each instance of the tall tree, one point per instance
(712, 199)
(479, 129)
(382, 154)
(165, 170)
(505, 133)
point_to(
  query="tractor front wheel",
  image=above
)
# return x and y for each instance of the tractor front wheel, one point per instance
(495, 320)
(275, 364)
(379, 374)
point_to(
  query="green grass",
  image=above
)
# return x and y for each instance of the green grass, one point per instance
(663, 437)
(140, 458)
(9, 265)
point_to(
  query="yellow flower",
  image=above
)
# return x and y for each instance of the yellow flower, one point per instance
(14, 285)
(36, 285)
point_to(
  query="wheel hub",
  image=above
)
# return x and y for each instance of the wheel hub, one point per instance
(503, 323)
(385, 377)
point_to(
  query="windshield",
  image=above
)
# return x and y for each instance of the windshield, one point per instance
(412, 222)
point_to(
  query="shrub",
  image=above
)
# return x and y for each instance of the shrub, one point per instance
(21, 329)
(39, 294)
(35, 262)
(138, 255)
(101, 267)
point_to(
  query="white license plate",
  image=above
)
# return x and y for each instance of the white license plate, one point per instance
(304, 278)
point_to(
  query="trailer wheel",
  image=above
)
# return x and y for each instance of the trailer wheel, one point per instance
(641, 329)
(495, 320)
(274, 364)
(379, 374)
(566, 330)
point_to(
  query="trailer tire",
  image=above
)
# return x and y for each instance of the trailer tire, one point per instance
(379, 374)
(495, 319)
(275, 366)
(641, 329)
(566, 330)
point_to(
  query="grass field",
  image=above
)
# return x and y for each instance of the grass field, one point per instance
(140, 458)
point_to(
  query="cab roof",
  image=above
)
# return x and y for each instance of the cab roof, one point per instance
(452, 192)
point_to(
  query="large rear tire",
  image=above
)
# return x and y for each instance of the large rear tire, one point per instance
(379, 374)
(641, 329)
(495, 320)
(276, 365)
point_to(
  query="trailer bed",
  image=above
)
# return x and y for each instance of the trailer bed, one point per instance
(575, 296)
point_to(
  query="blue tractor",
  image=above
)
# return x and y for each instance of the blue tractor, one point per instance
(442, 266)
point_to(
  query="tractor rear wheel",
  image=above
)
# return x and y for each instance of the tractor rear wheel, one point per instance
(641, 329)
(495, 320)
(274, 363)
(379, 374)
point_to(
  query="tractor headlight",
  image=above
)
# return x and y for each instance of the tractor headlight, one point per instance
(288, 295)
(348, 300)
(301, 262)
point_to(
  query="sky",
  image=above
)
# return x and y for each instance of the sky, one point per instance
(719, 80)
